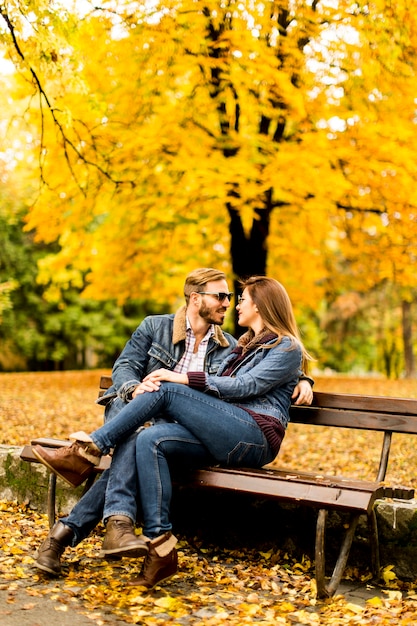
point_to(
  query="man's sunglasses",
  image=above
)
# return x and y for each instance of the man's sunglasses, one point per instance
(221, 296)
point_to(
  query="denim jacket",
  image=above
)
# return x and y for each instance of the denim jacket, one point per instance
(263, 382)
(159, 341)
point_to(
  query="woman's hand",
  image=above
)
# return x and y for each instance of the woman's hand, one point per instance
(143, 387)
(163, 374)
(303, 393)
(152, 381)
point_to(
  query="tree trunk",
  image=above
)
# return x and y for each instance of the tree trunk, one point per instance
(248, 250)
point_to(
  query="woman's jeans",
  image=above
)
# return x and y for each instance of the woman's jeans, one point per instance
(228, 432)
(204, 430)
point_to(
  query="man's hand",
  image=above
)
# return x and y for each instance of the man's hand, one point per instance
(303, 393)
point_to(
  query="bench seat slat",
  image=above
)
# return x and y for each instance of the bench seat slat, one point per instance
(294, 475)
(314, 493)
(302, 476)
(270, 481)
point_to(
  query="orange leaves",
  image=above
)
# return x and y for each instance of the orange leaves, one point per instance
(157, 123)
(230, 588)
(217, 588)
(214, 586)
(41, 403)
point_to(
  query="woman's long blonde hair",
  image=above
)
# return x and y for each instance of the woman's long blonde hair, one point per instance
(275, 308)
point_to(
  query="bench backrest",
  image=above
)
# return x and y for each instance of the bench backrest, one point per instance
(395, 415)
(386, 415)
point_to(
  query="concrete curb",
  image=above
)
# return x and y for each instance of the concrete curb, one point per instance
(27, 483)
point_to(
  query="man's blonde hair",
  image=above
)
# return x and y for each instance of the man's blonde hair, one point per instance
(198, 279)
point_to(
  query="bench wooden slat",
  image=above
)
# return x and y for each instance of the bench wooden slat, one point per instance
(343, 401)
(347, 411)
(271, 482)
(366, 420)
(312, 478)
(384, 404)
(105, 382)
(50, 442)
(320, 492)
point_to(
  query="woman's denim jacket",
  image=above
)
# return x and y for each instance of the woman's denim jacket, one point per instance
(159, 341)
(263, 381)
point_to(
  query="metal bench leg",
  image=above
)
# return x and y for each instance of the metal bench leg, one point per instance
(320, 554)
(52, 495)
(323, 590)
(51, 499)
(373, 538)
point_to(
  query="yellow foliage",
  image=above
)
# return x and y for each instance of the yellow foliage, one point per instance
(388, 574)
(156, 123)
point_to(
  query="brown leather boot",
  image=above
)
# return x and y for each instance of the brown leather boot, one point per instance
(50, 552)
(73, 463)
(160, 563)
(121, 540)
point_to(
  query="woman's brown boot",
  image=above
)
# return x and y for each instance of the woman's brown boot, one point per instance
(160, 563)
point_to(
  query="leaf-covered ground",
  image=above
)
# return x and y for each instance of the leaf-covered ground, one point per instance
(213, 586)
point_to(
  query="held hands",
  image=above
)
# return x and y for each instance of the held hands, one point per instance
(303, 393)
(152, 381)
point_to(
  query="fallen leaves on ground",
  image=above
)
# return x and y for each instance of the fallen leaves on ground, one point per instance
(213, 587)
(48, 404)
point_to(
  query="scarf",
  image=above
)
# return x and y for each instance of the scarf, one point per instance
(249, 341)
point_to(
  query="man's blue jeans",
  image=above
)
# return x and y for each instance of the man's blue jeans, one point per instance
(160, 450)
(114, 493)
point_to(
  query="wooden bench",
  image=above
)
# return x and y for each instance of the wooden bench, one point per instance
(324, 493)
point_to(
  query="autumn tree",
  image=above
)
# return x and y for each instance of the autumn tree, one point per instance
(194, 110)
(169, 134)
(377, 221)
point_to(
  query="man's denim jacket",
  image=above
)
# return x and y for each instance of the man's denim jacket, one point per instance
(159, 341)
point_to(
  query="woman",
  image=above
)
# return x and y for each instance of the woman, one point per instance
(236, 418)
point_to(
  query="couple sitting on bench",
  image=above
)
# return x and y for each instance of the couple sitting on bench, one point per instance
(214, 401)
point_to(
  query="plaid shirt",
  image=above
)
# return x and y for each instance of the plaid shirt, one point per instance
(191, 361)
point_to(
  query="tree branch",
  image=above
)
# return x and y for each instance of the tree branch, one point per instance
(67, 143)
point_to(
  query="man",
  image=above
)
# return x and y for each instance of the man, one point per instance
(189, 340)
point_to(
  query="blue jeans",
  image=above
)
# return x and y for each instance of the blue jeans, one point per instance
(203, 430)
(229, 433)
(114, 493)
(158, 450)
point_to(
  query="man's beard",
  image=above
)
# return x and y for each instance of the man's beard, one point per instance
(208, 314)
